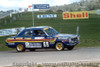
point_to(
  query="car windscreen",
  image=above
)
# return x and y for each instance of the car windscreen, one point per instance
(51, 31)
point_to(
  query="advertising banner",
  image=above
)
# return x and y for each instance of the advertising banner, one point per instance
(41, 6)
(98, 12)
(12, 31)
(75, 15)
(47, 16)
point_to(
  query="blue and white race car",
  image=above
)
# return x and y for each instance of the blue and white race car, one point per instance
(42, 37)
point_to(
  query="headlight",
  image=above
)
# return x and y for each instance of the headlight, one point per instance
(69, 39)
(78, 38)
(63, 37)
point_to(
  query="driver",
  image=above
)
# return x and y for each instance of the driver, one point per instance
(39, 32)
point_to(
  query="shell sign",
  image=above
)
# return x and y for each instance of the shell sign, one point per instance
(76, 15)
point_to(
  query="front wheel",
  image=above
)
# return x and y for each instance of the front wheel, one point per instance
(59, 46)
(70, 47)
(20, 48)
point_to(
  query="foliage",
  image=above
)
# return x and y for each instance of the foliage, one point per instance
(82, 5)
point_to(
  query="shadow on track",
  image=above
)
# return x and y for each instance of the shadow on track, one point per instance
(42, 50)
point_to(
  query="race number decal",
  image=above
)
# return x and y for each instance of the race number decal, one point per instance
(39, 38)
(33, 45)
(46, 44)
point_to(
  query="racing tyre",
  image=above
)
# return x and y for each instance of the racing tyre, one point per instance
(70, 47)
(32, 49)
(59, 46)
(20, 48)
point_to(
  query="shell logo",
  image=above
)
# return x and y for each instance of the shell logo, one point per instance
(76, 15)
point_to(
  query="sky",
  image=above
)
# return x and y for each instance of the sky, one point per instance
(16, 4)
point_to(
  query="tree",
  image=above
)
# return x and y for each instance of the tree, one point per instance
(49, 11)
(59, 11)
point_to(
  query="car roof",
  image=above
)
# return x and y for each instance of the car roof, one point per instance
(38, 27)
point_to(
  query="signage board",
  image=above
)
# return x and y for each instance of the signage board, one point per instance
(98, 12)
(41, 6)
(47, 16)
(12, 31)
(76, 15)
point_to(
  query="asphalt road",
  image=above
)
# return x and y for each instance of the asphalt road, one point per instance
(50, 56)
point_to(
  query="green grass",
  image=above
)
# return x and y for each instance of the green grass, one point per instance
(89, 28)
(93, 12)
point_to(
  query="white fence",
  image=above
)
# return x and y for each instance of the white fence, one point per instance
(12, 31)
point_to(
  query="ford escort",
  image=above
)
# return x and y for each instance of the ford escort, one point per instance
(42, 37)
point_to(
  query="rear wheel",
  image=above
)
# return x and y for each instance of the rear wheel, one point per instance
(70, 47)
(20, 48)
(59, 46)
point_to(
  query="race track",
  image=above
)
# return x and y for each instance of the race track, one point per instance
(50, 56)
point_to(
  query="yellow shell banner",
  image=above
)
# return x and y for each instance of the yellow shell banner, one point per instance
(76, 15)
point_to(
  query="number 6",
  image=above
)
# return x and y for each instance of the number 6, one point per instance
(46, 44)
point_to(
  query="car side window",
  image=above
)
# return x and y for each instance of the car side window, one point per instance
(28, 33)
(38, 33)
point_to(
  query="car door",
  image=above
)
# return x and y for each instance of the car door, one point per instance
(28, 34)
(39, 34)
(28, 37)
(41, 38)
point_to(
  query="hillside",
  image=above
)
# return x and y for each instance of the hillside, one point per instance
(81, 5)
(89, 28)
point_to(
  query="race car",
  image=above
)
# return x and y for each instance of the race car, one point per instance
(42, 37)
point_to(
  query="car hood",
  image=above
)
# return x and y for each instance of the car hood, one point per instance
(67, 35)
